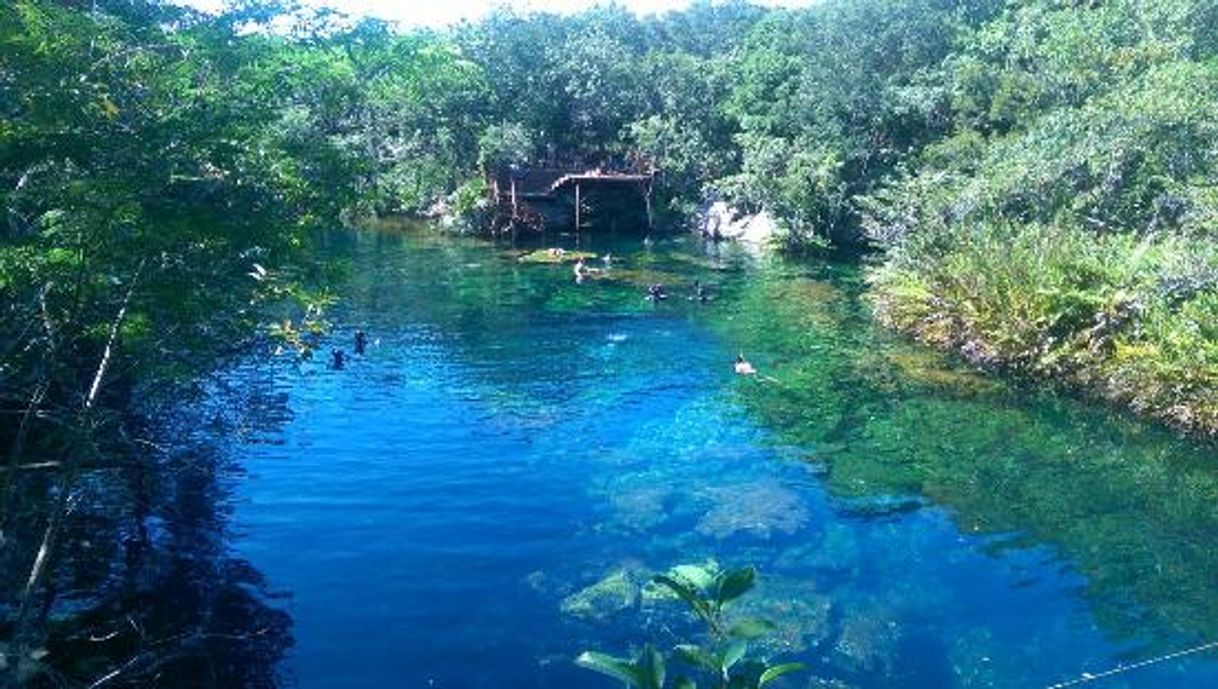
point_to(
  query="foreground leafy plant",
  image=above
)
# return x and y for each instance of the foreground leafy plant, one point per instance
(708, 592)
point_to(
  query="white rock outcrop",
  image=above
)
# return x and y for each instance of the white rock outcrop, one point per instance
(722, 221)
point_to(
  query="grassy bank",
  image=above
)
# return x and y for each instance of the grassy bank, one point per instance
(1132, 320)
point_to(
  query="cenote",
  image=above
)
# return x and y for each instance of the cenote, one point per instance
(484, 494)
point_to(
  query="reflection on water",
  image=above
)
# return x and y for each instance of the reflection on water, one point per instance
(143, 590)
(485, 493)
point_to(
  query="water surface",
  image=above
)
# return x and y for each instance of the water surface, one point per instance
(436, 513)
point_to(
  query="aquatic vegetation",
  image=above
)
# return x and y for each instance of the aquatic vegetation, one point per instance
(807, 303)
(1002, 473)
(689, 261)
(723, 658)
(929, 369)
(599, 294)
(881, 505)
(556, 256)
(641, 277)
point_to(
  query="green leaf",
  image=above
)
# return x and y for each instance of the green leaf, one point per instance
(684, 683)
(651, 668)
(750, 628)
(698, 657)
(698, 576)
(733, 653)
(733, 584)
(777, 671)
(606, 664)
(686, 593)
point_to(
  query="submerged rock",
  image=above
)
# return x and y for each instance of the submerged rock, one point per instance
(610, 595)
(760, 509)
(838, 551)
(869, 642)
(641, 508)
(800, 615)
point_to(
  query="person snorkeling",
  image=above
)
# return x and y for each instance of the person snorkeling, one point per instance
(743, 367)
(701, 293)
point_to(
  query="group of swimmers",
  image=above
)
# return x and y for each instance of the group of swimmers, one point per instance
(655, 293)
(338, 358)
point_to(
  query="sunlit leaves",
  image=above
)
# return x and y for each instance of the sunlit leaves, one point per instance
(646, 671)
(706, 590)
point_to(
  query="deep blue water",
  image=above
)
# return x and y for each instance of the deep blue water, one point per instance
(430, 514)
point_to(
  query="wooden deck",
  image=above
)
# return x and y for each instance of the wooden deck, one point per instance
(516, 192)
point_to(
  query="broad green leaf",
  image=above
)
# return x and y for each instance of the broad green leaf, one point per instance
(687, 594)
(684, 683)
(606, 664)
(651, 668)
(777, 671)
(701, 577)
(698, 657)
(750, 628)
(733, 584)
(733, 653)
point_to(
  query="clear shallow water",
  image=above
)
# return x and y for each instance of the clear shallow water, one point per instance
(433, 514)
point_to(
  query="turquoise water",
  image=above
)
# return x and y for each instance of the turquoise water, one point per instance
(480, 496)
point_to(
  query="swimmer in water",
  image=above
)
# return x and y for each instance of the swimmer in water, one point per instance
(337, 359)
(581, 269)
(701, 294)
(743, 367)
(361, 342)
(655, 292)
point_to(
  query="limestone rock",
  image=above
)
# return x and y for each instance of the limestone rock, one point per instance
(722, 221)
(599, 601)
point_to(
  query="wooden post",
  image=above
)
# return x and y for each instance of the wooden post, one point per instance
(647, 200)
(577, 207)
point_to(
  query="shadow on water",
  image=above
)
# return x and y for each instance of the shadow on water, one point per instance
(144, 591)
